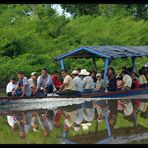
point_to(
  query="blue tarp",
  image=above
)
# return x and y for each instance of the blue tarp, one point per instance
(106, 51)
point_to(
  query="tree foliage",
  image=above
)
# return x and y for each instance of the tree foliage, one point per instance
(32, 35)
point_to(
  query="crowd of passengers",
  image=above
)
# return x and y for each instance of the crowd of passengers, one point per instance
(76, 83)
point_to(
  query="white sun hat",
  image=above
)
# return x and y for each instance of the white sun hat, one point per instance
(33, 73)
(128, 109)
(98, 75)
(84, 72)
(146, 65)
(75, 72)
(85, 126)
(89, 114)
(11, 120)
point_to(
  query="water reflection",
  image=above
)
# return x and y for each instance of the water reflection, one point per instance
(77, 117)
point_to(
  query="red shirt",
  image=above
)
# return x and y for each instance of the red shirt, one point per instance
(56, 82)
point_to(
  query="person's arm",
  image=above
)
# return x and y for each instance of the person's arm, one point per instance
(24, 88)
(66, 81)
(16, 88)
(49, 81)
(38, 83)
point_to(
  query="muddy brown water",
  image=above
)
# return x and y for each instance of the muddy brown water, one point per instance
(120, 136)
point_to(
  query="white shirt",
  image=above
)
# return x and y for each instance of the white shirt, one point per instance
(10, 87)
(88, 83)
(127, 80)
(78, 83)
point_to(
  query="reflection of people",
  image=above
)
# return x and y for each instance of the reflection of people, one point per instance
(46, 121)
(11, 86)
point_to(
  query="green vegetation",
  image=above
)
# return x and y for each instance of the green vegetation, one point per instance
(8, 136)
(32, 35)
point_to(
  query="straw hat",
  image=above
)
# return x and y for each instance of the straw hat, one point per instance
(98, 75)
(128, 109)
(33, 73)
(84, 72)
(75, 72)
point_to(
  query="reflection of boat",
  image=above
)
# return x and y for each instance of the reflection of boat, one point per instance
(107, 53)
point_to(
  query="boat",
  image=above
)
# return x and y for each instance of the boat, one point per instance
(107, 53)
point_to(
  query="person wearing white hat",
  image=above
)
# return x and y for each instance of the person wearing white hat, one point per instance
(33, 82)
(87, 81)
(78, 81)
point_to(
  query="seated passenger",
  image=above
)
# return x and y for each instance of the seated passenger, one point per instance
(11, 86)
(87, 80)
(56, 80)
(100, 83)
(135, 82)
(112, 83)
(127, 80)
(68, 87)
(33, 82)
(93, 75)
(78, 81)
(120, 83)
(142, 79)
(23, 87)
(44, 83)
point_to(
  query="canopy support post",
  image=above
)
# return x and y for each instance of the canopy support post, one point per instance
(62, 64)
(106, 68)
(94, 64)
(133, 63)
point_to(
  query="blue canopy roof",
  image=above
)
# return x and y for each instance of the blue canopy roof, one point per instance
(110, 52)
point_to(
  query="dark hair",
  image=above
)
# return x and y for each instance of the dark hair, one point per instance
(140, 71)
(124, 68)
(55, 72)
(111, 69)
(45, 69)
(12, 78)
(119, 78)
(64, 70)
(20, 72)
(125, 72)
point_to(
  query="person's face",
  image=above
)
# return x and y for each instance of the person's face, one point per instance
(93, 74)
(20, 76)
(64, 74)
(34, 77)
(13, 81)
(44, 72)
(56, 75)
(98, 77)
(110, 71)
(22, 134)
